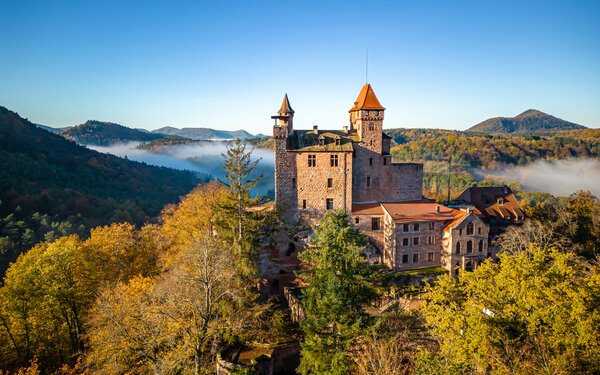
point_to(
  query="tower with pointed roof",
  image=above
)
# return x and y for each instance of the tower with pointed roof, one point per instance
(366, 116)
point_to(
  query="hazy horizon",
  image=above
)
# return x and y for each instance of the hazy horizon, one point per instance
(227, 65)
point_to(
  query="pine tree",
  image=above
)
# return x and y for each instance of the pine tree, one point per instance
(333, 299)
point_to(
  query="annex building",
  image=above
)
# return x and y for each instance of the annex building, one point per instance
(351, 169)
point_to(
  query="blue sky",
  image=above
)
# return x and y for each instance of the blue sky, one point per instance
(227, 64)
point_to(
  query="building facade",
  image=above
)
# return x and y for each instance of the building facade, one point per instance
(351, 169)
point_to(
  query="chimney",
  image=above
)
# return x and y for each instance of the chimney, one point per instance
(345, 129)
(316, 129)
(437, 209)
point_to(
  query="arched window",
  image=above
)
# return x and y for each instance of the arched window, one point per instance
(480, 246)
(457, 251)
(469, 247)
(470, 229)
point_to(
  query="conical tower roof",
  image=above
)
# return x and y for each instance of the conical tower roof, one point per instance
(285, 106)
(366, 100)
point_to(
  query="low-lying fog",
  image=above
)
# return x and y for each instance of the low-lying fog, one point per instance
(557, 177)
(204, 157)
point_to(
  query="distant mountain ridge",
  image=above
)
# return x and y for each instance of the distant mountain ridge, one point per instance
(102, 133)
(203, 133)
(531, 120)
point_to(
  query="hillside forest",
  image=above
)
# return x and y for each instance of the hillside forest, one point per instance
(167, 297)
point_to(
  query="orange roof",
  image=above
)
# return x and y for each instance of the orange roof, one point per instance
(366, 100)
(421, 210)
(459, 215)
(367, 209)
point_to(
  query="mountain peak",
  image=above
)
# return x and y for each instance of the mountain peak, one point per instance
(531, 120)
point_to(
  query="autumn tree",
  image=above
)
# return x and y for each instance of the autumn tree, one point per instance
(176, 321)
(333, 299)
(534, 311)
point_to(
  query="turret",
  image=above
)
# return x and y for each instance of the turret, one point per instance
(284, 120)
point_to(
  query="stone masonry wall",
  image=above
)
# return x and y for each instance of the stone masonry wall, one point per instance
(365, 224)
(286, 195)
(422, 249)
(388, 182)
(312, 184)
(451, 260)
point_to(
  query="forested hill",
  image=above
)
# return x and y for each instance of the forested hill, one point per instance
(203, 133)
(102, 133)
(51, 186)
(529, 121)
(488, 151)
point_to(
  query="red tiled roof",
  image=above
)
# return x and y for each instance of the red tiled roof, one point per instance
(367, 209)
(366, 100)
(419, 210)
(459, 216)
(486, 200)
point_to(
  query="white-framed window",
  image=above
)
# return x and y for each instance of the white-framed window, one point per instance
(329, 203)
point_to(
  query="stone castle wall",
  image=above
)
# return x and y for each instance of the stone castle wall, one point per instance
(312, 182)
(388, 181)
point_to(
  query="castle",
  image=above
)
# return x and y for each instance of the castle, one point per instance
(352, 170)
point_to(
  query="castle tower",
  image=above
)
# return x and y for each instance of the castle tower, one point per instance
(366, 116)
(285, 162)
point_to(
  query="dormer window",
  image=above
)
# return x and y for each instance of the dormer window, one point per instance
(338, 141)
(500, 201)
(321, 141)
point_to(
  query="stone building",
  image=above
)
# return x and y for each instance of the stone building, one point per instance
(352, 170)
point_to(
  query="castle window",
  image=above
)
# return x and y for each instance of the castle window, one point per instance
(312, 160)
(404, 258)
(368, 181)
(480, 246)
(415, 241)
(415, 258)
(460, 232)
(376, 113)
(293, 182)
(329, 183)
(375, 223)
(370, 161)
(430, 256)
(405, 242)
(366, 113)
(384, 160)
(338, 141)
(356, 220)
(431, 225)
(469, 247)
(371, 126)
(470, 229)
(405, 228)
(457, 248)
(304, 204)
(479, 230)
(333, 160)
(329, 203)
(416, 227)
(431, 240)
